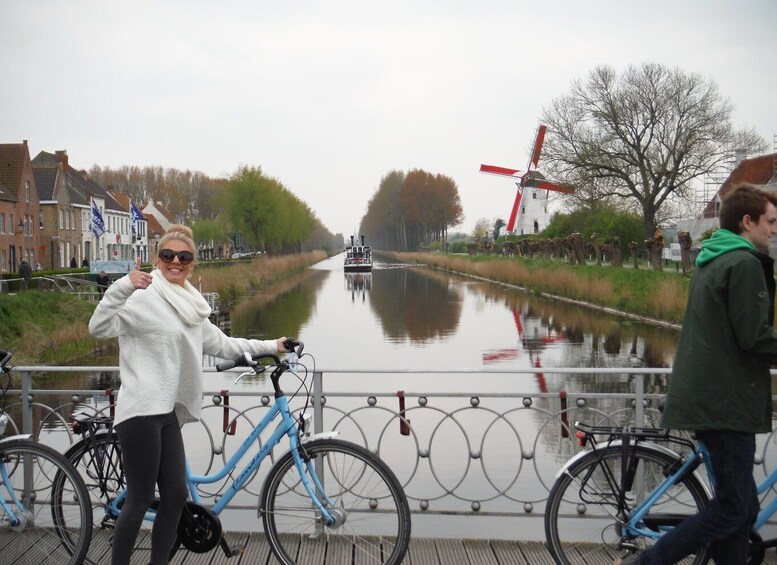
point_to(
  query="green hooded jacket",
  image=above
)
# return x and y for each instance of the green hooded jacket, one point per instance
(720, 377)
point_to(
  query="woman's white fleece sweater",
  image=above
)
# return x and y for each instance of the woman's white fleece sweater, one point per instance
(160, 356)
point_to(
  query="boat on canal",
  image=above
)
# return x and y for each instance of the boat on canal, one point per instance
(358, 257)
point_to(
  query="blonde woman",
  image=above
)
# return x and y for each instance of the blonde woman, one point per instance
(162, 324)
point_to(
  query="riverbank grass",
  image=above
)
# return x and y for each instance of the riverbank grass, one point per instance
(45, 327)
(654, 294)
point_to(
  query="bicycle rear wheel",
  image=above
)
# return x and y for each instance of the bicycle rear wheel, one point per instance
(373, 516)
(47, 519)
(581, 526)
(98, 460)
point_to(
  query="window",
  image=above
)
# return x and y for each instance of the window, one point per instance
(61, 219)
(2, 222)
(534, 195)
(26, 191)
(536, 226)
(523, 209)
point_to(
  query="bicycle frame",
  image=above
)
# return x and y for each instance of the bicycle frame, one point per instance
(699, 452)
(637, 515)
(12, 500)
(287, 426)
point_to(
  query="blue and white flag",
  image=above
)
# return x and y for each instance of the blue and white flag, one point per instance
(98, 226)
(135, 215)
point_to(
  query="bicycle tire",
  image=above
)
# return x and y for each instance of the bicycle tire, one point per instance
(56, 526)
(580, 526)
(368, 496)
(98, 460)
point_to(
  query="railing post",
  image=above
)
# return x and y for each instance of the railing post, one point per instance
(26, 407)
(318, 404)
(639, 394)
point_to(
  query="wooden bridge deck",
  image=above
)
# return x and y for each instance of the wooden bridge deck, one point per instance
(422, 551)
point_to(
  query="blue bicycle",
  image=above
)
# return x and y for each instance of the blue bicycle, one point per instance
(322, 491)
(627, 490)
(44, 514)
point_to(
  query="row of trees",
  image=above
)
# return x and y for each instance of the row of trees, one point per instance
(267, 215)
(413, 210)
(187, 194)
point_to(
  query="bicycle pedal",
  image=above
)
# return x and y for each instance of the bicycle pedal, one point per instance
(236, 550)
(630, 546)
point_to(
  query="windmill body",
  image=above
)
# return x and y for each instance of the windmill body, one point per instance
(529, 214)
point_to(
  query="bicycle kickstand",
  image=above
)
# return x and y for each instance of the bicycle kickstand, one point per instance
(230, 551)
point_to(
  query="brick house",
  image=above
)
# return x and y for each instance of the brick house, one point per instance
(73, 236)
(62, 209)
(19, 208)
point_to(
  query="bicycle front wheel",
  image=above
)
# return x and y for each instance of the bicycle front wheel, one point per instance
(582, 524)
(45, 517)
(371, 510)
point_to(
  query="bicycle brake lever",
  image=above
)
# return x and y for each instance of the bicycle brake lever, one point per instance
(246, 374)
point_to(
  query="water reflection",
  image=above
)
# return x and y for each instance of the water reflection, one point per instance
(369, 320)
(282, 310)
(358, 284)
(416, 304)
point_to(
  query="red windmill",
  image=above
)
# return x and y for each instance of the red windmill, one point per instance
(531, 178)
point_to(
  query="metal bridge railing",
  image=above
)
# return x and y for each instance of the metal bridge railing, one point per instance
(461, 448)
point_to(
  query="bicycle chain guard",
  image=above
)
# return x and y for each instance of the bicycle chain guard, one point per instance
(199, 529)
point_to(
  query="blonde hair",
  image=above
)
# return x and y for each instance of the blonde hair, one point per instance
(180, 232)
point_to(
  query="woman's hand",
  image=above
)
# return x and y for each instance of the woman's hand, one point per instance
(138, 278)
(279, 343)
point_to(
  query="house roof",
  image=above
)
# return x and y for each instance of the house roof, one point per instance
(153, 225)
(169, 216)
(45, 182)
(6, 194)
(124, 201)
(78, 184)
(11, 165)
(758, 170)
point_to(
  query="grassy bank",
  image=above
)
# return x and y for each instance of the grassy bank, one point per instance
(234, 280)
(653, 294)
(44, 327)
(51, 328)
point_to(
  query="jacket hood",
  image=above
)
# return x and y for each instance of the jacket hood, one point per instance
(721, 242)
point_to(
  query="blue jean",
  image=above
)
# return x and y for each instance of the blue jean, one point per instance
(726, 521)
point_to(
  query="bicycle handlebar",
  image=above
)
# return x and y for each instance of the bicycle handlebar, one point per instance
(247, 360)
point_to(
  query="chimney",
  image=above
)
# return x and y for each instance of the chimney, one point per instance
(61, 156)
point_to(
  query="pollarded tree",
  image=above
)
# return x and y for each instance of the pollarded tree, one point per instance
(642, 136)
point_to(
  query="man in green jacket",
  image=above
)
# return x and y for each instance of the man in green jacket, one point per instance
(720, 386)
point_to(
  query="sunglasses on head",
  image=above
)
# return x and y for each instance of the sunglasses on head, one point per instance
(184, 257)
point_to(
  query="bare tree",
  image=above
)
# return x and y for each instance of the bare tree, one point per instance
(642, 136)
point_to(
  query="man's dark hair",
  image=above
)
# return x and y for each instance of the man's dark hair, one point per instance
(744, 200)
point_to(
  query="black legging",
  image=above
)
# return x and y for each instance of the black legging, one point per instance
(152, 452)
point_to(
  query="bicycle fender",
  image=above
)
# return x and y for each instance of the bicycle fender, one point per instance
(617, 443)
(12, 438)
(322, 435)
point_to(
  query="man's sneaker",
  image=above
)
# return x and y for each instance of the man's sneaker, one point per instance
(630, 559)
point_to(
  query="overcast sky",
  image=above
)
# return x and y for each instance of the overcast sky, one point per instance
(328, 97)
